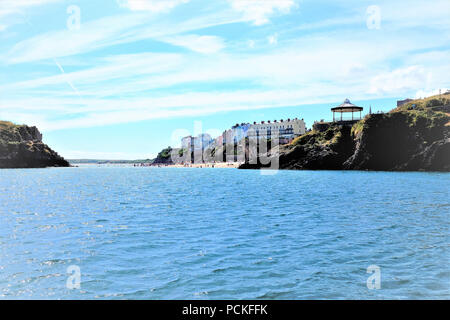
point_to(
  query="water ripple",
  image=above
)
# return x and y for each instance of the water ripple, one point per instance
(149, 233)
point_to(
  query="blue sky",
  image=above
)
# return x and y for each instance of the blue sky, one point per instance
(121, 79)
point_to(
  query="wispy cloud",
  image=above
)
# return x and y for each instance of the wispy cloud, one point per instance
(114, 30)
(427, 93)
(13, 7)
(201, 44)
(151, 5)
(113, 111)
(92, 35)
(259, 11)
(276, 76)
(399, 80)
(399, 14)
(128, 72)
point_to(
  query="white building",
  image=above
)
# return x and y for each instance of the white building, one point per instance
(200, 142)
(194, 147)
(286, 130)
(240, 131)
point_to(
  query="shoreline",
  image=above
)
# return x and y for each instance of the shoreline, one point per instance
(229, 165)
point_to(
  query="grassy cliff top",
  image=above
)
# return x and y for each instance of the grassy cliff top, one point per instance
(329, 136)
(7, 131)
(10, 126)
(433, 103)
(7, 125)
(431, 112)
(13, 133)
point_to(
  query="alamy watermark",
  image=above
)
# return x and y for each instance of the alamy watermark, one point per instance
(373, 20)
(74, 19)
(74, 279)
(374, 280)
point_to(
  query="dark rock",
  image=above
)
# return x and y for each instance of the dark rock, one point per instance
(22, 147)
(435, 157)
(391, 141)
(324, 150)
(407, 138)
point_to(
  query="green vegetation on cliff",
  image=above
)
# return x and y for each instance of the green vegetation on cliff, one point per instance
(164, 157)
(330, 136)
(165, 153)
(415, 136)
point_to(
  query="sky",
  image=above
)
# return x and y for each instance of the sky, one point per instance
(122, 79)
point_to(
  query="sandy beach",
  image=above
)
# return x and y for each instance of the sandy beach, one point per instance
(203, 165)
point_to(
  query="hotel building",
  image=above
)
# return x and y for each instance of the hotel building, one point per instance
(286, 130)
(283, 130)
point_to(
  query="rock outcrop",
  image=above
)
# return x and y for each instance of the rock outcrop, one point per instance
(414, 137)
(164, 157)
(402, 141)
(22, 147)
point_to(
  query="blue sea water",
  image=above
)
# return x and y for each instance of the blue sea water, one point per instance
(166, 233)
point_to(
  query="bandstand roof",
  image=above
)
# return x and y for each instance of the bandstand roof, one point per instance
(347, 106)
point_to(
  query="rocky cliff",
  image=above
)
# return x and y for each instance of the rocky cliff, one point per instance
(22, 147)
(413, 137)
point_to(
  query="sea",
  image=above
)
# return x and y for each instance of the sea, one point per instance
(117, 232)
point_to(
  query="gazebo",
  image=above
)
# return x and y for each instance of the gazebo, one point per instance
(345, 107)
